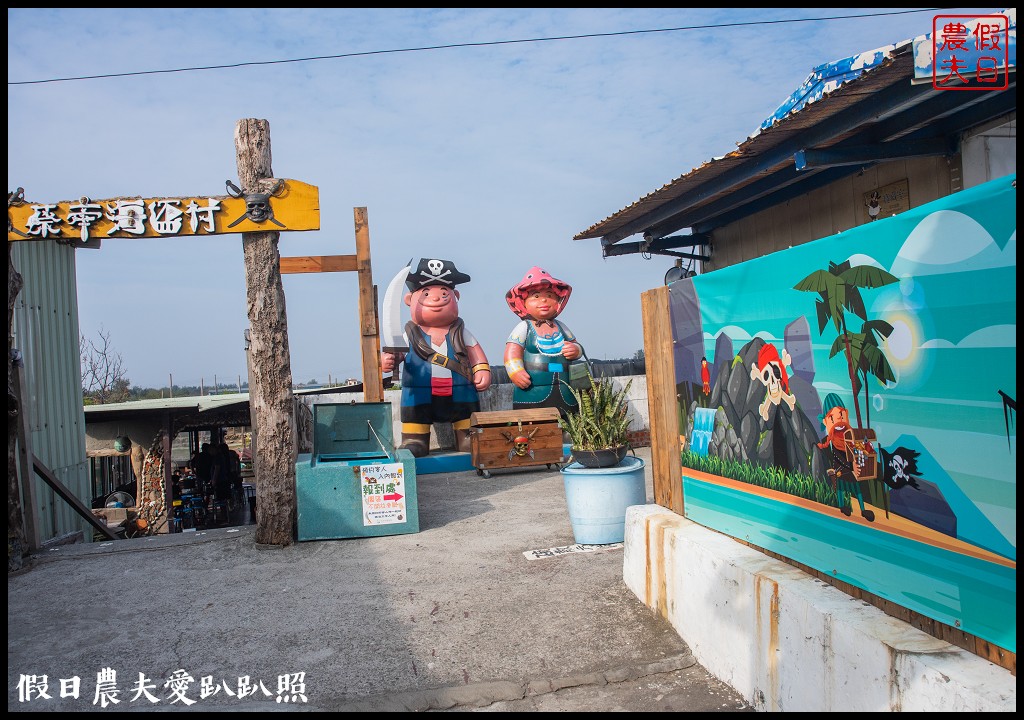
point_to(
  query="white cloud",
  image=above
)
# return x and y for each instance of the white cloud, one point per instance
(861, 259)
(987, 337)
(950, 241)
(991, 336)
(734, 332)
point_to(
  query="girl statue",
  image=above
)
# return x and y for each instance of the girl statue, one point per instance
(540, 351)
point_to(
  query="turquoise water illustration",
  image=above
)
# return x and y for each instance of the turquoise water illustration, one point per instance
(969, 593)
(703, 426)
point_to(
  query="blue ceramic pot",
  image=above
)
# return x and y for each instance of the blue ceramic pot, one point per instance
(597, 499)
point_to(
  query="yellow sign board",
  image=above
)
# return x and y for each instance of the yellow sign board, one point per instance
(292, 206)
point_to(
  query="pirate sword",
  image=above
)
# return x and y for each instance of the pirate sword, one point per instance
(392, 328)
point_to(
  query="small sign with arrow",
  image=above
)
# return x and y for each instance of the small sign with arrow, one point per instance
(383, 494)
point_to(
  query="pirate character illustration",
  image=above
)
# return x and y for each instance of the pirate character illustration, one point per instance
(705, 376)
(770, 370)
(540, 350)
(842, 473)
(444, 366)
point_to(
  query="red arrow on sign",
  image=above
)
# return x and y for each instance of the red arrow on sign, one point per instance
(395, 496)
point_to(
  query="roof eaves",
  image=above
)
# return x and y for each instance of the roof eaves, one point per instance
(593, 231)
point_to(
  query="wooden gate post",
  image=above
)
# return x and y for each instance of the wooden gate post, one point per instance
(662, 402)
(270, 390)
(373, 384)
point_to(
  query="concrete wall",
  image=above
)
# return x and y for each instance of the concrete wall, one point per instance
(787, 641)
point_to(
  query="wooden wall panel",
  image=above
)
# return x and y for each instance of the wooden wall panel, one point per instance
(819, 215)
(826, 211)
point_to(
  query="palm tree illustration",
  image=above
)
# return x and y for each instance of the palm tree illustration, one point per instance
(868, 358)
(839, 290)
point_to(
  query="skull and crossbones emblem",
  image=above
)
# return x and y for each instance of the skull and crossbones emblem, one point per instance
(770, 370)
(899, 469)
(433, 272)
(520, 443)
(257, 205)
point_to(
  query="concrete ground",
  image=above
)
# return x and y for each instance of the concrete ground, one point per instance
(453, 618)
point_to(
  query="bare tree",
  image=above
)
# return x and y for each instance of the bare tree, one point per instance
(103, 375)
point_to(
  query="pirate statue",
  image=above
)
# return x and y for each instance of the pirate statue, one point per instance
(444, 366)
(542, 356)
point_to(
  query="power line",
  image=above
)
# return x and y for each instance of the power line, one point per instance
(471, 44)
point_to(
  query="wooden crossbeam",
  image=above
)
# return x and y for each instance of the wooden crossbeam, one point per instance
(319, 264)
(373, 386)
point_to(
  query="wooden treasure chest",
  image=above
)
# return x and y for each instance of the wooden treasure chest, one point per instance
(514, 439)
(860, 451)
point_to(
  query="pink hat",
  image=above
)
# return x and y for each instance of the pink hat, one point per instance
(536, 279)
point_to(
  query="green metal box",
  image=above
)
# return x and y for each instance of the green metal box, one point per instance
(355, 483)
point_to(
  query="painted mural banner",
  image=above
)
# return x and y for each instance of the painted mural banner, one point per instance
(850, 403)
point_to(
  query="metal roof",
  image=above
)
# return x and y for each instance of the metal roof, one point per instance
(202, 403)
(230, 410)
(847, 115)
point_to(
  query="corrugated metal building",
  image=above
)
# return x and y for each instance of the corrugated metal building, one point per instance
(46, 332)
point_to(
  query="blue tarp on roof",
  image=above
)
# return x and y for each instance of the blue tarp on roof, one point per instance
(827, 77)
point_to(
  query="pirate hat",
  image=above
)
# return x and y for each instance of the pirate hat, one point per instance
(432, 271)
(537, 279)
(831, 401)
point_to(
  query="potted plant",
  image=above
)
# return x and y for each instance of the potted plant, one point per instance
(599, 428)
(602, 481)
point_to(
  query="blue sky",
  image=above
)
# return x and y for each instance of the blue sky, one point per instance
(490, 156)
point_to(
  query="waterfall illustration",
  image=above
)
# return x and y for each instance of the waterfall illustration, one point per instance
(703, 426)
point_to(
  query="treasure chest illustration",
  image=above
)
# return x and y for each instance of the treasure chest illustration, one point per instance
(860, 451)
